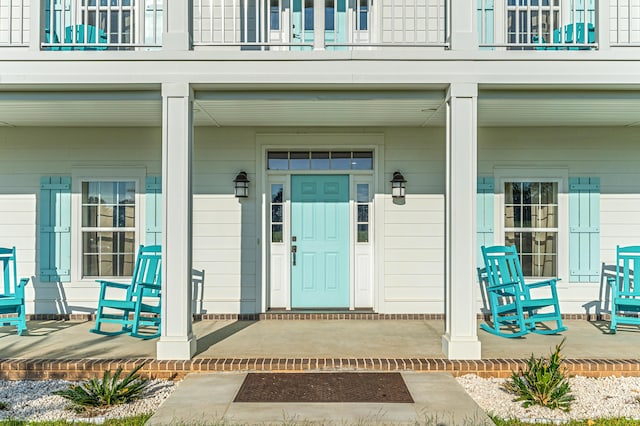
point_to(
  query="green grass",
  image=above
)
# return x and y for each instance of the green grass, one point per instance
(138, 420)
(594, 422)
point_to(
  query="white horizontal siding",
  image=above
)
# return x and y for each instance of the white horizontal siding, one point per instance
(225, 240)
(414, 229)
(612, 154)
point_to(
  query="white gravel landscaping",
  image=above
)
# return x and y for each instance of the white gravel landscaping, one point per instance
(34, 400)
(594, 398)
(603, 397)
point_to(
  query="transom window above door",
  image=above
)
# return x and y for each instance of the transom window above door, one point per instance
(320, 160)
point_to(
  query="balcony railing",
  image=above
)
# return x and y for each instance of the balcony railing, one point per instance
(83, 24)
(556, 24)
(323, 24)
(14, 23)
(319, 24)
(102, 24)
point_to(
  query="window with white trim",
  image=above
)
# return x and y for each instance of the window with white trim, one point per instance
(531, 224)
(108, 242)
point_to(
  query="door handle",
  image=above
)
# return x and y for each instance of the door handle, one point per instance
(294, 249)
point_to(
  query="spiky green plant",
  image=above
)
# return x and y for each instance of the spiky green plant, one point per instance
(543, 382)
(110, 390)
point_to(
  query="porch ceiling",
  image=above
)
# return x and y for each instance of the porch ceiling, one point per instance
(322, 108)
(558, 108)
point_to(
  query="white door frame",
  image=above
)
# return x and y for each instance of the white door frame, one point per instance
(279, 297)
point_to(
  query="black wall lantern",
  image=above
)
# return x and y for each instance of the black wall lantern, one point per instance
(242, 185)
(398, 185)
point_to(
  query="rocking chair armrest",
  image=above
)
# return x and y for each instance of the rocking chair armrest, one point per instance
(23, 282)
(151, 286)
(551, 281)
(104, 283)
(501, 286)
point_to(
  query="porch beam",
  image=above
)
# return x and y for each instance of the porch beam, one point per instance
(177, 340)
(460, 340)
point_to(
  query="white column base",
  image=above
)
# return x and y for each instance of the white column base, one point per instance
(176, 349)
(460, 349)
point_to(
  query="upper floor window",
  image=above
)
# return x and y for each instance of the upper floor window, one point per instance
(108, 228)
(531, 224)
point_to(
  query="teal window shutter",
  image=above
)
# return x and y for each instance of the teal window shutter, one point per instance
(153, 207)
(584, 229)
(55, 229)
(484, 210)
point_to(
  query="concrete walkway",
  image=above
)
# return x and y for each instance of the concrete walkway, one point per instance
(207, 399)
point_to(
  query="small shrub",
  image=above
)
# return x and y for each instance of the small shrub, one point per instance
(542, 383)
(108, 391)
(4, 406)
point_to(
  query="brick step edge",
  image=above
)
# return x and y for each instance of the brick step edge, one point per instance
(80, 369)
(291, 316)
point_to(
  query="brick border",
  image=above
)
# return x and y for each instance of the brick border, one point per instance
(293, 316)
(79, 369)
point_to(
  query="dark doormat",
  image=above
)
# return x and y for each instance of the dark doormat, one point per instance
(323, 387)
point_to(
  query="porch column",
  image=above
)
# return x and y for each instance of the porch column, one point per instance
(178, 25)
(460, 340)
(177, 340)
(464, 32)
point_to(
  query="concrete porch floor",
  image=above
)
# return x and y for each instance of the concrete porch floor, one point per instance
(398, 339)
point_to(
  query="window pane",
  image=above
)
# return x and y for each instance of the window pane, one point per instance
(363, 233)
(90, 192)
(126, 192)
(341, 160)
(90, 216)
(545, 217)
(362, 161)
(276, 213)
(105, 217)
(299, 161)
(276, 193)
(548, 193)
(526, 217)
(276, 234)
(126, 217)
(362, 190)
(363, 213)
(278, 161)
(320, 160)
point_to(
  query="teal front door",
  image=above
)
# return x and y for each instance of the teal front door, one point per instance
(320, 241)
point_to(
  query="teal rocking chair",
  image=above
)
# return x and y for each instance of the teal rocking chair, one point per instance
(625, 294)
(12, 307)
(139, 306)
(514, 311)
